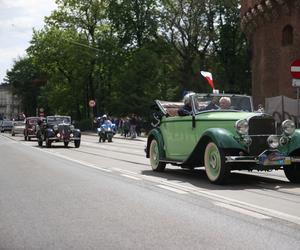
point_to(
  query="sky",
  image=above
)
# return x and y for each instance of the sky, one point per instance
(17, 20)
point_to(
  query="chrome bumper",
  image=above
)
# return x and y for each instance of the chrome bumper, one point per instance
(249, 159)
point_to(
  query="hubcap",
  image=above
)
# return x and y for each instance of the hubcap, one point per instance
(212, 161)
(154, 154)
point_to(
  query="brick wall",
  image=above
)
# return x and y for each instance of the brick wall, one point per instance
(271, 60)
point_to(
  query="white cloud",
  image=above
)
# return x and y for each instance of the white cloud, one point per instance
(17, 19)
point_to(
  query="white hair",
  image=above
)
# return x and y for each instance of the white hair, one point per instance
(187, 99)
(225, 100)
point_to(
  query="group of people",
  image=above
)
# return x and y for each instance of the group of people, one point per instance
(223, 103)
(129, 127)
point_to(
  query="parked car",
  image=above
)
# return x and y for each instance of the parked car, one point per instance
(18, 128)
(57, 129)
(222, 140)
(30, 127)
(5, 125)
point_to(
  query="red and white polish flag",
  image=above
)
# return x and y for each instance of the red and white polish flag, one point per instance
(209, 78)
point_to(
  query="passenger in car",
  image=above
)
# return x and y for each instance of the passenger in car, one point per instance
(187, 107)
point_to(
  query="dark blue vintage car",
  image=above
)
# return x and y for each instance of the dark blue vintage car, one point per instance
(57, 129)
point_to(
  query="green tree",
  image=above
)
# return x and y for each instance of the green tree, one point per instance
(136, 21)
(189, 26)
(231, 58)
(86, 17)
(26, 81)
(54, 52)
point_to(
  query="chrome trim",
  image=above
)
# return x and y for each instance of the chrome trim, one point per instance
(240, 159)
(262, 135)
(293, 159)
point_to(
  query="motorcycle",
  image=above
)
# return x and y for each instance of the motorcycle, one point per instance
(106, 131)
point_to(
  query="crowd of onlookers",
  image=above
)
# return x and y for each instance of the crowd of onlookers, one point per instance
(129, 126)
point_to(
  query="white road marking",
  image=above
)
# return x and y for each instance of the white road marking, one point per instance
(178, 191)
(131, 177)
(242, 210)
(76, 161)
(183, 189)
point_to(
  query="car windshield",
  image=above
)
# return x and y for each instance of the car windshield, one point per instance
(32, 121)
(19, 123)
(222, 103)
(59, 119)
(7, 123)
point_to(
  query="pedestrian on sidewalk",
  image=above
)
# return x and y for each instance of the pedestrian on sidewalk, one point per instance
(133, 122)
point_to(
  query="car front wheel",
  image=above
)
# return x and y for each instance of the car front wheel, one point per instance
(214, 162)
(154, 157)
(77, 143)
(40, 142)
(48, 143)
(292, 173)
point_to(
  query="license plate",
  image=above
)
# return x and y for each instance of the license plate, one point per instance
(280, 162)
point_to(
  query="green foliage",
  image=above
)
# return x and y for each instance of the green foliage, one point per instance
(26, 80)
(126, 53)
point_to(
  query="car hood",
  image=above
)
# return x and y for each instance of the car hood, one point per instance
(226, 115)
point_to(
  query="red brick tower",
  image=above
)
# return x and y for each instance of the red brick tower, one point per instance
(273, 30)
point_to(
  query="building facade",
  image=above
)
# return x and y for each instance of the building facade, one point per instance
(272, 28)
(9, 104)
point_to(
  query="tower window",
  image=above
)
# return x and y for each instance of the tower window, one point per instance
(287, 35)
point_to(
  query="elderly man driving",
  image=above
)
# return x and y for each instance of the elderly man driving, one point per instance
(224, 102)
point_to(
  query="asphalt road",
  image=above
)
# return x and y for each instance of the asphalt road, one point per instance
(104, 196)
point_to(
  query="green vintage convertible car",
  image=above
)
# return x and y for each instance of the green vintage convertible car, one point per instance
(222, 140)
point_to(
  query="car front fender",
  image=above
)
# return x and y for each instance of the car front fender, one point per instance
(77, 133)
(221, 137)
(156, 134)
(294, 144)
(50, 133)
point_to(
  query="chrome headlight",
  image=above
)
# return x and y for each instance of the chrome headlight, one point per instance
(72, 127)
(288, 127)
(273, 141)
(242, 127)
(55, 127)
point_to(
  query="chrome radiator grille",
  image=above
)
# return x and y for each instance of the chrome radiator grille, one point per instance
(260, 127)
(64, 130)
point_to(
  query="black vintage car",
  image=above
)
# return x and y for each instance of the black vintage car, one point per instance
(57, 129)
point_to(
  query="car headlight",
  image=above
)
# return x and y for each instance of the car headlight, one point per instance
(72, 127)
(242, 127)
(273, 141)
(288, 127)
(55, 127)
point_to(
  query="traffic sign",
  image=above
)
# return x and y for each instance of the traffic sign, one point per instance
(296, 83)
(92, 103)
(295, 69)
